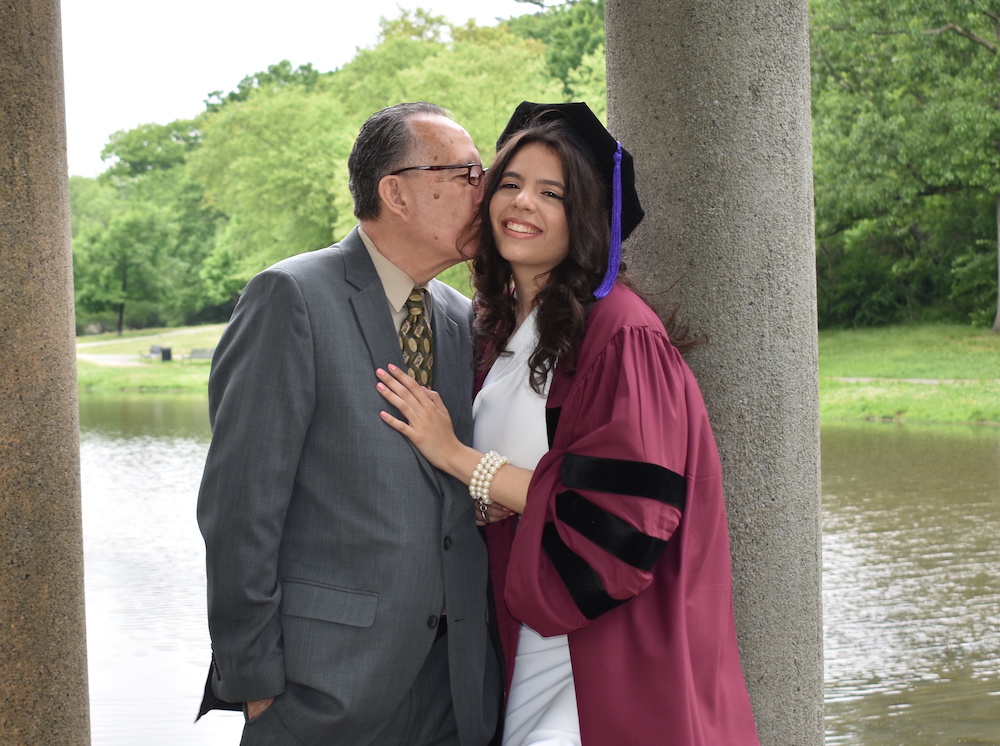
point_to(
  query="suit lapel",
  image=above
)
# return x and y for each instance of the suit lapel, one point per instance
(371, 310)
(371, 313)
(452, 381)
(447, 375)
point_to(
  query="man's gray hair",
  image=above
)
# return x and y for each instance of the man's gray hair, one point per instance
(384, 141)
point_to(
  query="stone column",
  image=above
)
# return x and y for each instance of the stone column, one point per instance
(43, 662)
(713, 99)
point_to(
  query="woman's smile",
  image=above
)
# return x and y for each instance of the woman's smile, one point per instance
(517, 226)
(529, 215)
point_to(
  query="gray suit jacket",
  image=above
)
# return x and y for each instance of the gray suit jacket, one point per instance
(331, 544)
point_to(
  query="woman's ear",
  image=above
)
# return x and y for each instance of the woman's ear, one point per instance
(392, 193)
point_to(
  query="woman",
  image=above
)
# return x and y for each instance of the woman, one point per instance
(614, 585)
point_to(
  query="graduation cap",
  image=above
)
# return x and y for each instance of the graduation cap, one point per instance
(613, 162)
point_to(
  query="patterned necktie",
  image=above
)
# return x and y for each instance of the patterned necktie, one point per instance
(415, 339)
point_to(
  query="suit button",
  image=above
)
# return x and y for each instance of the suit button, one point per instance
(432, 622)
(447, 542)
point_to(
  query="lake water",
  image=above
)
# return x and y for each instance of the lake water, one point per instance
(911, 520)
(147, 639)
(911, 561)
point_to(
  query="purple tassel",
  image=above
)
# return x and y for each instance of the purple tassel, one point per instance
(615, 248)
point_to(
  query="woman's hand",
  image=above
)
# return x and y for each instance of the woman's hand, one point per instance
(493, 513)
(428, 424)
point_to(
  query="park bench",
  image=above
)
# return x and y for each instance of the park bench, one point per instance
(157, 352)
(200, 353)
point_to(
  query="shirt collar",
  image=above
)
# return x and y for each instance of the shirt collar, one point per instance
(396, 283)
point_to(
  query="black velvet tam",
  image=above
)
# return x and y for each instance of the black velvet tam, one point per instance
(593, 139)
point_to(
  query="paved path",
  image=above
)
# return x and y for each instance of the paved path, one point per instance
(130, 340)
(117, 361)
(122, 361)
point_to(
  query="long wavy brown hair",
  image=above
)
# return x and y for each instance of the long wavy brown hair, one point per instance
(568, 292)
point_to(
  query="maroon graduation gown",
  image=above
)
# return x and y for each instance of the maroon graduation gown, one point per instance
(623, 544)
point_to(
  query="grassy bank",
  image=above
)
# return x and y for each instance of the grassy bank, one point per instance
(108, 364)
(928, 373)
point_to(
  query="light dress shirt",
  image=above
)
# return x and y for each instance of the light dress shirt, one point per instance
(396, 283)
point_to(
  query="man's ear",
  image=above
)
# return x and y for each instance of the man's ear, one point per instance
(393, 195)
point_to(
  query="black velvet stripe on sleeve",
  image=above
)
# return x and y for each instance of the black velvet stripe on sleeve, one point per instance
(583, 584)
(622, 477)
(551, 422)
(608, 531)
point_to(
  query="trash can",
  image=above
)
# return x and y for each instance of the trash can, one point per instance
(165, 354)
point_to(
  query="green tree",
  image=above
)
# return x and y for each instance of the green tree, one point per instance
(187, 212)
(126, 264)
(906, 131)
(149, 170)
(91, 203)
(275, 166)
(417, 25)
(146, 176)
(588, 82)
(463, 75)
(276, 76)
(149, 147)
(371, 81)
(570, 31)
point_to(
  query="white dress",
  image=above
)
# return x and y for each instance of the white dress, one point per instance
(510, 419)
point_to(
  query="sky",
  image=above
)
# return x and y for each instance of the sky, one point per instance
(132, 62)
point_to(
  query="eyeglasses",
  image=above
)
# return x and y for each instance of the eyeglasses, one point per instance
(476, 172)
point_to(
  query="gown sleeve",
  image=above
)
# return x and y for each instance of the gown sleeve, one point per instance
(609, 494)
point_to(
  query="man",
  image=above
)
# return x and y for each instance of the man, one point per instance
(346, 578)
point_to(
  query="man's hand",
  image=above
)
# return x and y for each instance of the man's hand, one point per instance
(256, 707)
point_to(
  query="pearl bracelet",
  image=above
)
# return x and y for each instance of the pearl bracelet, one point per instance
(482, 477)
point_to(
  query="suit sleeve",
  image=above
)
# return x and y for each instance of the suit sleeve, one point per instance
(609, 494)
(261, 398)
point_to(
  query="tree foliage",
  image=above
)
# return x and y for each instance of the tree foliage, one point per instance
(570, 31)
(275, 77)
(907, 169)
(141, 232)
(371, 80)
(275, 166)
(125, 264)
(906, 141)
(906, 152)
(463, 77)
(150, 147)
(188, 211)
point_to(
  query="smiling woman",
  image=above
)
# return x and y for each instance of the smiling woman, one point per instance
(529, 219)
(590, 428)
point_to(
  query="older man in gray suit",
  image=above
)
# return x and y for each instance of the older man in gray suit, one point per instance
(346, 578)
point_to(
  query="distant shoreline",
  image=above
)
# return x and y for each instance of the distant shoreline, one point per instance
(920, 374)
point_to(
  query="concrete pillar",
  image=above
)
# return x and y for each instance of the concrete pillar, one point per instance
(712, 97)
(43, 662)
